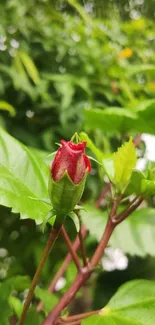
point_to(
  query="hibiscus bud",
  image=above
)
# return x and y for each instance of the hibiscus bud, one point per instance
(67, 176)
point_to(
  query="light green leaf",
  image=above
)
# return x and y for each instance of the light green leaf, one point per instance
(16, 305)
(110, 120)
(124, 163)
(108, 166)
(30, 67)
(148, 187)
(109, 320)
(134, 236)
(23, 176)
(146, 117)
(33, 317)
(135, 184)
(7, 107)
(133, 304)
(18, 283)
(98, 153)
(49, 300)
(140, 68)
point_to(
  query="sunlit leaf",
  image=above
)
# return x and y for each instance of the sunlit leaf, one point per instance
(124, 163)
(133, 304)
(7, 107)
(23, 177)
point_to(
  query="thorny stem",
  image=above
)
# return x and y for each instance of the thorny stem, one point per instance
(82, 277)
(63, 268)
(51, 240)
(70, 247)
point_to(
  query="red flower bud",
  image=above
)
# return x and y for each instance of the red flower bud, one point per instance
(70, 158)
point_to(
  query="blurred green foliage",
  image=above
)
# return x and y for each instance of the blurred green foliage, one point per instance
(57, 63)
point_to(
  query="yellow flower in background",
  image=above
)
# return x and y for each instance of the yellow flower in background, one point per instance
(151, 85)
(126, 53)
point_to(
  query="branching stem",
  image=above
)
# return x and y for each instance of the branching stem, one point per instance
(82, 277)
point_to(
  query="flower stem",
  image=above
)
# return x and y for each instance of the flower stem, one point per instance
(63, 268)
(71, 249)
(51, 240)
(82, 277)
(83, 251)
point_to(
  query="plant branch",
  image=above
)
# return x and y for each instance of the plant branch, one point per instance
(51, 240)
(83, 251)
(71, 249)
(137, 140)
(80, 316)
(128, 211)
(63, 268)
(82, 277)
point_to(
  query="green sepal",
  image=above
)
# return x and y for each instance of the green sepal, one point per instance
(50, 215)
(79, 207)
(64, 194)
(75, 220)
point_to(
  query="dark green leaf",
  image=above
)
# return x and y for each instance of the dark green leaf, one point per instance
(49, 300)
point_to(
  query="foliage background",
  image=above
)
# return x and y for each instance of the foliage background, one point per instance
(66, 66)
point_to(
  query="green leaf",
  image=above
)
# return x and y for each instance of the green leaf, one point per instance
(18, 283)
(49, 300)
(16, 305)
(7, 107)
(146, 117)
(148, 187)
(134, 236)
(124, 163)
(23, 176)
(113, 120)
(110, 120)
(135, 184)
(33, 317)
(30, 67)
(108, 166)
(133, 304)
(140, 68)
(98, 153)
(109, 320)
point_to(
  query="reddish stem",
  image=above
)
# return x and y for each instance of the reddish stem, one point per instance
(63, 268)
(83, 251)
(82, 316)
(82, 277)
(137, 140)
(51, 240)
(70, 247)
(126, 213)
